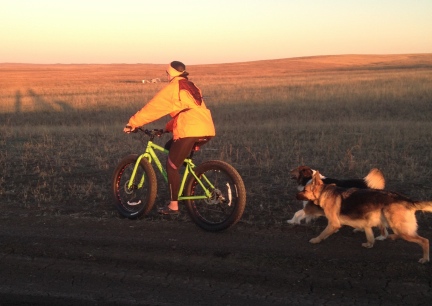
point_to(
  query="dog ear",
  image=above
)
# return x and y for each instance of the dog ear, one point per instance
(305, 172)
(295, 173)
(317, 179)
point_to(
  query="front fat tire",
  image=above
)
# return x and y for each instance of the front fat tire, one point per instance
(126, 200)
(206, 213)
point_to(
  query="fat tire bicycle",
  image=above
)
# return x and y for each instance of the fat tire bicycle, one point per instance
(213, 192)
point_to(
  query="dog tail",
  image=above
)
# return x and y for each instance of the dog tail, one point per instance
(423, 206)
(375, 179)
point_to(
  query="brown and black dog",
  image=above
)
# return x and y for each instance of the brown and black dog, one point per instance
(303, 175)
(366, 208)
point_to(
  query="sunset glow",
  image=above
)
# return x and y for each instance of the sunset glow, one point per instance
(205, 32)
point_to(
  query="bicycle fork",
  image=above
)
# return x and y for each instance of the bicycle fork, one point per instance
(151, 157)
(130, 184)
(132, 178)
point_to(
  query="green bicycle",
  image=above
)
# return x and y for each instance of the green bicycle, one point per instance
(214, 192)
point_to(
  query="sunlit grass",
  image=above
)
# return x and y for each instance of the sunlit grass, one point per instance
(61, 128)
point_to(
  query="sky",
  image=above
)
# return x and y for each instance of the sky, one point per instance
(208, 31)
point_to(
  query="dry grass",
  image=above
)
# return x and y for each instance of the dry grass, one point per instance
(61, 127)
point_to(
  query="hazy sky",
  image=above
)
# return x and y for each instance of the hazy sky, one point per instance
(208, 31)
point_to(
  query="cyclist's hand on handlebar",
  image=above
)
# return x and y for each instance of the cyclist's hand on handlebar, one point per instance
(128, 129)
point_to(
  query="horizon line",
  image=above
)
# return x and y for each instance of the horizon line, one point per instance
(222, 63)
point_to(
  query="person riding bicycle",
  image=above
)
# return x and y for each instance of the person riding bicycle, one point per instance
(191, 123)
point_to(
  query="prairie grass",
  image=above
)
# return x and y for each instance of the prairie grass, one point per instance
(61, 128)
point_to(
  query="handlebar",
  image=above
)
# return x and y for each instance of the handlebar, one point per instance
(151, 133)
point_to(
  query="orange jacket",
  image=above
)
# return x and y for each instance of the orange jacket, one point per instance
(182, 100)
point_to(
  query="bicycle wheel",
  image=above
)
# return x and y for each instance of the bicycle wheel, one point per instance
(137, 201)
(228, 197)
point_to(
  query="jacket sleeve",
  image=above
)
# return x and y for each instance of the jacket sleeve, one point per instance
(161, 105)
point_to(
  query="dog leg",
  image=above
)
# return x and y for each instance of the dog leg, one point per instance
(298, 216)
(423, 242)
(369, 237)
(329, 230)
(308, 219)
(383, 230)
(384, 233)
(425, 246)
(331, 210)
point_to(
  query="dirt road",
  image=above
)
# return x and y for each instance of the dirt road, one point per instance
(66, 260)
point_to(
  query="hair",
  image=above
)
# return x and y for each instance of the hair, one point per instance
(180, 67)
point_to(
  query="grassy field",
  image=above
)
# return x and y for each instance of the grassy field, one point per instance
(61, 128)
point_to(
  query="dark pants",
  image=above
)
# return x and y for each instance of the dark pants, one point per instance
(178, 150)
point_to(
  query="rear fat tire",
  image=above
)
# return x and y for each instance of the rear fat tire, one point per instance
(207, 214)
(145, 195)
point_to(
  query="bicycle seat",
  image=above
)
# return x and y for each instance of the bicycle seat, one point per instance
(199, 143)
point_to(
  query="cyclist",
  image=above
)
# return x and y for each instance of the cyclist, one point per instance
(191, 123)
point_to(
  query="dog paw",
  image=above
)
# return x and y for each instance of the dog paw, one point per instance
(423, 260)
(315, 240)
(367, 245)
(292, 222)
(358, 230)
(381, 238)
(393, 236)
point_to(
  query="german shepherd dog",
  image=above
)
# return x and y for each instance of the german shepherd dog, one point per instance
(366, 208)
(303, 175)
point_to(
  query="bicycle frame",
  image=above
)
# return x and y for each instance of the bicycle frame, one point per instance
(150, 155)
